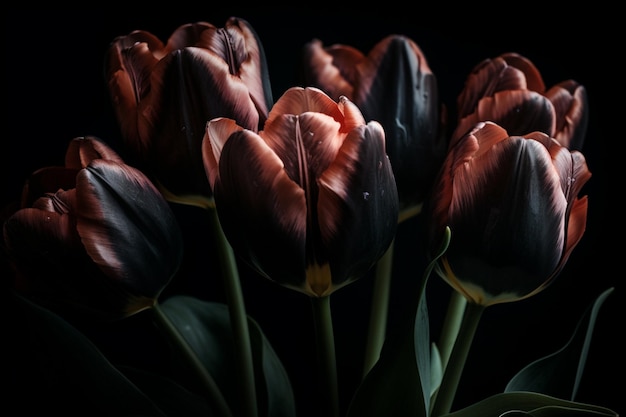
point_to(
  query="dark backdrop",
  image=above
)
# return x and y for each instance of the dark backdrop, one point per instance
(54, 90)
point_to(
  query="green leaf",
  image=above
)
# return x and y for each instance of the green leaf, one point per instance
(170, 396)
(399, 383)
(55, 369)
(530, 404)
(559, 374)
(206, 328)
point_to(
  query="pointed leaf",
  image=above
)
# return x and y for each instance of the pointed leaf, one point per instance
(206, 327)
(530, 404)
(559, 374)
(399, 383)
(52, 366)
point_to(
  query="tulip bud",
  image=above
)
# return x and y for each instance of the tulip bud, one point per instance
(395, 86)
(512, 206)
(310, 201)
(163, 95)
(107, 244)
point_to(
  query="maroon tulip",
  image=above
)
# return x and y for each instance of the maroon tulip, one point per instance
(106, 243)
(163, 95)
(310, 201)
(509, 90)
(512, 206)
(394, 85)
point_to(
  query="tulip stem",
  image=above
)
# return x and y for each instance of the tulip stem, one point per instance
(379, 311)
(451, 325)
(326, 355)
(458, 357)
(215, 395)
(238, 320)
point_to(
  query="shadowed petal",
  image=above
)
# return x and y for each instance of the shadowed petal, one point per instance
(357, 197)
(266, 217)
(333, 69)
(521, 111)
(82, 150)
(398, 89)
(127, 227)
(572, 117)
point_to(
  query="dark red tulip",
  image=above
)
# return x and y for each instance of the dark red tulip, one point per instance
(512, 206)
(394, 85)
(509, 90)
(163, 95)
(310, 201)
(106, 244)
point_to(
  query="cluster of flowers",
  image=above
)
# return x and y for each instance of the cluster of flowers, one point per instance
(309, 191)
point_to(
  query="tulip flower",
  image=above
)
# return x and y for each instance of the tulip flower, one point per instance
(512, 205)
(394, 85)
(107, 243)
(310, 201)
(509, 90)
(316, 182)
(163, 95)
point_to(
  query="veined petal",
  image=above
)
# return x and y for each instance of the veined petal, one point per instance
(190, 87)
(127, 227)
(398, 89)
(256, 199)
(570, 103)
(82, 150)
(517, 111)
(509, 71)
(357, 197)
(507, 236)
(189, 34)
(332, 69)
(217, 133)
(297, 100)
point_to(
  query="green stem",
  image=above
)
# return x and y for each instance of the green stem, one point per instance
(451, 326)
(215, 395)
(458, 357)
(238, 320)
(326, 353)
(379, 312)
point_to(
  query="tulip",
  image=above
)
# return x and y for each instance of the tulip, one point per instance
(163, 95)
(394, 85)
(107, 243)
(512, 205)
(310, 201)
(509, 90)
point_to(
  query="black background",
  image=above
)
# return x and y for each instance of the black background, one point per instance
(54, 90)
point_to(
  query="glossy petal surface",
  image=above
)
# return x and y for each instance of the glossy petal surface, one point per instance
(310, 201)
(508, 201)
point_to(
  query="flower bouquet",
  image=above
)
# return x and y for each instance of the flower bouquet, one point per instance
(137, 266)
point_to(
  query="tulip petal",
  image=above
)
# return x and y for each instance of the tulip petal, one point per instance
(331, 69)
(398, 89)
(127, 227)
(570, 103)
(506, 234)
(357, 197)
(82, 150)
(266, 217)
(518, 111)
(508, 71)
